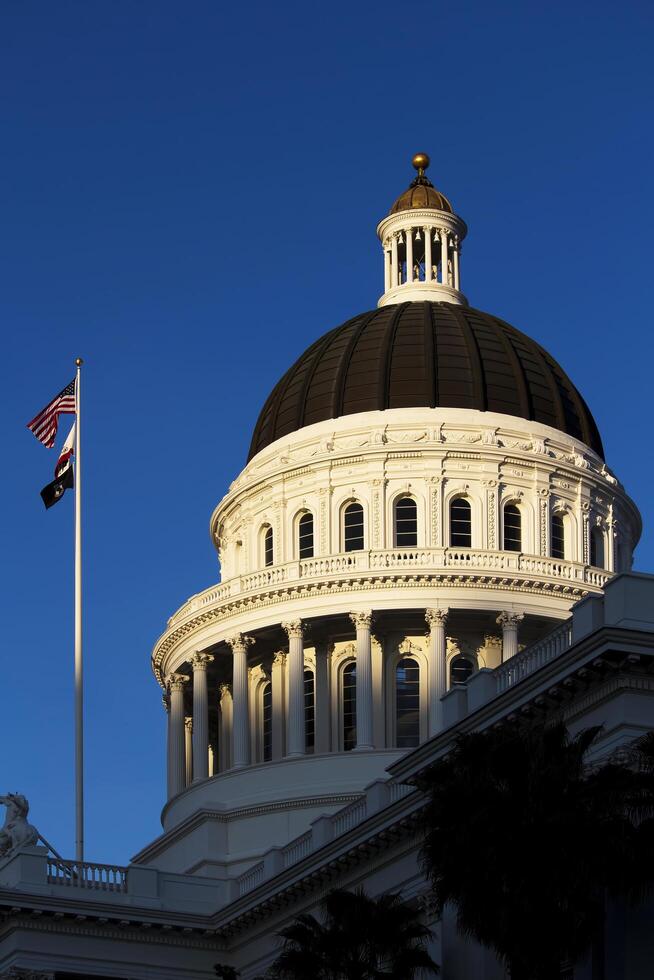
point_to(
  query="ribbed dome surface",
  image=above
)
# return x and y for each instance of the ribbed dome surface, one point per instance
(421, 195)
(424, 354)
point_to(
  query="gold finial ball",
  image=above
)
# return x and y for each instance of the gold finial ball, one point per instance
(79, 361)
(421, 161)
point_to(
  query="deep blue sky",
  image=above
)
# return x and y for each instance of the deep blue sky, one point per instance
(189, 194)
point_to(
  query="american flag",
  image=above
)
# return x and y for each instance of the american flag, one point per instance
(44, 425)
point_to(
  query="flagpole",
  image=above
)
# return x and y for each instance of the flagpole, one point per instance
(79, 695)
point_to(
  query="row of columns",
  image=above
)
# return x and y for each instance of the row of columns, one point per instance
(392, 270)
(179, 742)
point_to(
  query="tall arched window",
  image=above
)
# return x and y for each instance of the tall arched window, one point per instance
(268, 547)
(460, 523)
(266, 722)
(407, 704)
(557, 536)
(512, 528)
(309, 711)
(349, 706)
(406, 523)
(353, 527)
(597, 547)
(305, 536)
(460, 669)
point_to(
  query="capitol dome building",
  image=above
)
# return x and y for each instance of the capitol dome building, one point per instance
(426, 540)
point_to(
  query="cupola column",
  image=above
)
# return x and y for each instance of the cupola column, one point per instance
(427, 233)
(188, 750)
(176, 744)
(509, 622)
(394, 264)
(240, 694)
(436, 620)
(363, 621)
(455, 262)
(225, 739)
(444, 257)
(166, 703)
(409, 255)
(199, 662)
(296, 725)
(278, 682)
(387, 269)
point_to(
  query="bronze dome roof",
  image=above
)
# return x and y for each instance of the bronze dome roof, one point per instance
(421, 193)
(424, 354)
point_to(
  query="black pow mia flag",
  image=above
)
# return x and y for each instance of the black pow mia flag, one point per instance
(55, 490)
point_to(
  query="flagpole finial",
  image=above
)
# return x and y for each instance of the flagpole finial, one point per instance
(79, 361)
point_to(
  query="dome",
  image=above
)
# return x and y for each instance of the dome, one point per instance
(421, 193)
(430, 354)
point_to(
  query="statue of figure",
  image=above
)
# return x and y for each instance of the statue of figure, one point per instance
(16, 832)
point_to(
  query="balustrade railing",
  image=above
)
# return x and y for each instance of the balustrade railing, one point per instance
(297, 849)
(251, 878)
(85, 874)
(533, 657)
(347, 818)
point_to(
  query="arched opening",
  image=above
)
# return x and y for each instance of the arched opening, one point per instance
(305, 536)
(460, 523)
(349, 695)
(309, 711)
(512, 528)
(597, 547)
(407, 704)
(557, 536)
(266, 722)
(406, 523)
(268, 553)
(353, 527)
(460, 669)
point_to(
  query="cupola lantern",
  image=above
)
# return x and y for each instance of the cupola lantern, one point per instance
(421, 238)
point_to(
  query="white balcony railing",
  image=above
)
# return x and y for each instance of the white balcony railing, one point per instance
(533, 657)
(430, 560)
(85, 874)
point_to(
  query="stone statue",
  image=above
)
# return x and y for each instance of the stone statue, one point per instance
(16, 832)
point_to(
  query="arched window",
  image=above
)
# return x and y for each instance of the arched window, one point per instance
(268, 547)
(407, 704)
(460, 669)
(597, 547)
(309, 711)
(305, 536)
(353, 527)
(266, 722)
(406, 523)
(512, 528)
(460, 523)
(349, 707)
(557, 534)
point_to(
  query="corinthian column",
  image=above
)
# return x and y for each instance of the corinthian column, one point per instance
(296, 723)
(509, 622)
(176, 744)
(199, 662)
(241, 713)
(436, 620)
(362, 622)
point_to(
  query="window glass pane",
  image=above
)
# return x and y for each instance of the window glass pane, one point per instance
(460, 670)
(350, 707)
(597, 548)
(558, 537)
(353, 527)
(268, 547)
(407, 704)
(305, 534)
(309, 711)
(512, 528)
(406, 523)
(460, 523)
(266, 722)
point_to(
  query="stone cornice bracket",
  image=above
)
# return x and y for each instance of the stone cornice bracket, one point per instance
(509, 619)
(295, 629)
(176, 682)
(362, 620)
(436, 617)
(240, 643)
(200, 661)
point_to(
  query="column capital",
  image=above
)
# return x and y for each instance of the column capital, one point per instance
(200, 661)
(165, 700)
(509, 620)
(295, 628)
(176, 682)
(225, 690)
(362, 620)
(239, 642)
(279, 658)
(436, 617)
(188, 723)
